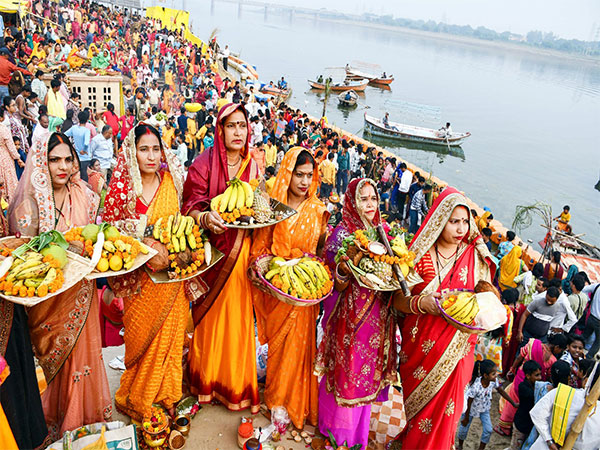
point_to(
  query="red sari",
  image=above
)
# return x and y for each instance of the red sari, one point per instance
(436, 361)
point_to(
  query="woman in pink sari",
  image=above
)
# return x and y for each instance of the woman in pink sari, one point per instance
(436, 361)
(545, 355)
(65, 330)
(357, 356)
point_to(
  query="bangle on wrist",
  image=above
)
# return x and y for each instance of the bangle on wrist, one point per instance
(413, 304)
(419, 305)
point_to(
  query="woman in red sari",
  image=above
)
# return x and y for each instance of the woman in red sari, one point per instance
(222, 358)
(436, 361)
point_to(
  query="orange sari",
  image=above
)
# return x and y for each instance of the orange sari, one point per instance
(290, 330)
(7, 440)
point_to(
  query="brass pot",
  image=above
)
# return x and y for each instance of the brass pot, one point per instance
(182, 424)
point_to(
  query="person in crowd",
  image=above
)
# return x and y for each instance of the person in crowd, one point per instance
(7, 68)
(96, 177)
(534, 350)
(110, 118)
(511, 266)
(572, 356)
(510, 344)
(343, 171)
(155, 315)
(528, 281)
(577, 299)
(553, 269)
(102, 149)
(290, 330)
(8, 157)
(81, 141)
(327, 172)
(486, 234)
(592, 326)
(522, 422)
(485, 220)
(41, 132)
(213, 374)
(563, 218)
(55, 102)
(479, 401)
(418, 206)
(64, 329)
(506, 246)
(38, 86)
(126, 122)
(362, 320)
(16, 125)
(535, 321)
(443, 247)
(403, 187)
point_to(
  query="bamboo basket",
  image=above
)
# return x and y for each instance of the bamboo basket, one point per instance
(262, 267)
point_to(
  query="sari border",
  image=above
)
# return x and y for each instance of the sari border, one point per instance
(244, 404)
(6, 318)
(202, 308)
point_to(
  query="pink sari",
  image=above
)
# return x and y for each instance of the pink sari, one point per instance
(65, 330)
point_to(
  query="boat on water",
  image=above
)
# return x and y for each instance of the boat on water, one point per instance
(348, 98)
(355, 74)
(356, 86)
(276, 92)
(405, 132)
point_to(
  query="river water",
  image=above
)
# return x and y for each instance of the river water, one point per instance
(534, 119)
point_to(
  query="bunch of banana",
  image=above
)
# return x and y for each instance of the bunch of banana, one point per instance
(235, 202)
(407, 258)
(305, 277)
(177, 233)
(34, 274)
(462, 307)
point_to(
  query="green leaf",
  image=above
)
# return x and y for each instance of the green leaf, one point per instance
(59, 239)
(356, 447)
(332, 439)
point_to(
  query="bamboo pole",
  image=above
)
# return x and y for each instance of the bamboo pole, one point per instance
(590, 403)
(570, 236)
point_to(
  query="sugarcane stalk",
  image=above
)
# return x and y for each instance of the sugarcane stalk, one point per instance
(590, 403)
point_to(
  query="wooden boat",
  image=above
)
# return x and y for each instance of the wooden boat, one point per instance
(405, 132)
(276, 92)
(352, 99)
(356, 86)
(354, 74)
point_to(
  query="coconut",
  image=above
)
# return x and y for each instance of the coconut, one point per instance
(57, 252)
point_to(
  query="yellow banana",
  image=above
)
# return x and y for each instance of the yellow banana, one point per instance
(109, 246)
(175, 244)
(128, 262)
(189, 227)
(232, 198)
(241, 196)
(157, 231)
(306, 281)
(285, 280)
(309, 272)
(50, 277)
(120, 245)
(271, 273)
(144, 248)
(225, 200)
(192, 241)
(33, 282)
(168, 229)
(182, 243)
(176, 222)
(33, 272)
(249, 193)
(215, 202)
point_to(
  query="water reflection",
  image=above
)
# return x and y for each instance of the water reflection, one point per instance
(456, 152)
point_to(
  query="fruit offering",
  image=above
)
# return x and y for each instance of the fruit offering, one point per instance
(305, 278)
(243, 202)
(155, 427)
(462, 307)
(118, 250)
(177, 232)
(35, 274)
(370, 261)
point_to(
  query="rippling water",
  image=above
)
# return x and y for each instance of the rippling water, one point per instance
(534, 119)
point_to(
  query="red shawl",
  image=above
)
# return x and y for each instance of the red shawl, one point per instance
(207, 178)
(352, 219)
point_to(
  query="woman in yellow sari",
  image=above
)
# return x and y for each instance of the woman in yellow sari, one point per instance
(65, 330)
(484, 220)
(222, 356)
(76, 57)
(92, 51)
(511, 267)
(290, 330)
(155, 314)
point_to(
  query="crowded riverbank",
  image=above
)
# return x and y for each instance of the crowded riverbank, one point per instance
(205, 257)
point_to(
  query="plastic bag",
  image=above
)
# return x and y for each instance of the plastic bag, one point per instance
(492, 313)
(261, 362)
(280, 418)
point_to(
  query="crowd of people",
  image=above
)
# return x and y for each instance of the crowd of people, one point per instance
(66, 165)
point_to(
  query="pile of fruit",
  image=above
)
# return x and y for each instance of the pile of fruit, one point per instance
(35, 274)
(242, 203)
(188, 247)
(305, 278)
(155, 427)
(369, 258)
(462, 307)
(118, 250)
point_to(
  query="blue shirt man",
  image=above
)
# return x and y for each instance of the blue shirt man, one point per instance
(81, 140)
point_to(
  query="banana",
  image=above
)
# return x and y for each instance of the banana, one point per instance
(157, 230)
(128, 262)
(144, 248)
(109, 246)
(241, 196)
(168, 229)
(225, 199)
(285, 280)
(249, 193)
(175, 244)
(192, 241)
(50, 277)
(308, 284)
(34, 271)
(182, 243)
(271, 273)
(26, 265)
(207, 253)
(296, 283)
(232, 198)
(182, 225)
(459, 308)
(319, 270)
(120, 245)
(215, 202)
(190, 225)
(307, 269)
(33, 282)
(176, 222)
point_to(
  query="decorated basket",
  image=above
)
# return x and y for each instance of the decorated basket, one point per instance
(262, 267)
(471, 329)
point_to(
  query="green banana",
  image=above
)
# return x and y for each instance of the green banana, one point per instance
(50, 277)
(34, 271)
(33, 282)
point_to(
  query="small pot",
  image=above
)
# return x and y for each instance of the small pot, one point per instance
(176, 440)
(182, 424)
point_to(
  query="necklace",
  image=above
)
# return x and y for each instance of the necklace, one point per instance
(437, 263)
(446, 257)
(233, 165)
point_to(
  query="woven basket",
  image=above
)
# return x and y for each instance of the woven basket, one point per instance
(455, 323)
(262, 267)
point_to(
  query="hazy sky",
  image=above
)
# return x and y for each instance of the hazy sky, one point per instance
(570, 19)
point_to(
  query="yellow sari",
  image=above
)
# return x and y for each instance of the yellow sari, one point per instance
(290, 330)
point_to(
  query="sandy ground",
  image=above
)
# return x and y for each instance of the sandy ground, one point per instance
(215, 428)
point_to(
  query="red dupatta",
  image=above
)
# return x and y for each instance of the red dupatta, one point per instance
(437, 359)
(207, 178)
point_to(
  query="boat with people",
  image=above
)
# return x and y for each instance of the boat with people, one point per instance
(376, 127)
(273, 90)
(356, 86)
(348, 98)
(355, 74)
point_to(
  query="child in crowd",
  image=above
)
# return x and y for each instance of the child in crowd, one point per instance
(479, 401)
(572, 356)
(269, 179)
(522, 423)
(486, 233)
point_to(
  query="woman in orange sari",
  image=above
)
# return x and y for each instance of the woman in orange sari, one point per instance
(155, 315)
(290, 330)
(65, 330)
(436, 361)
(222, 356)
